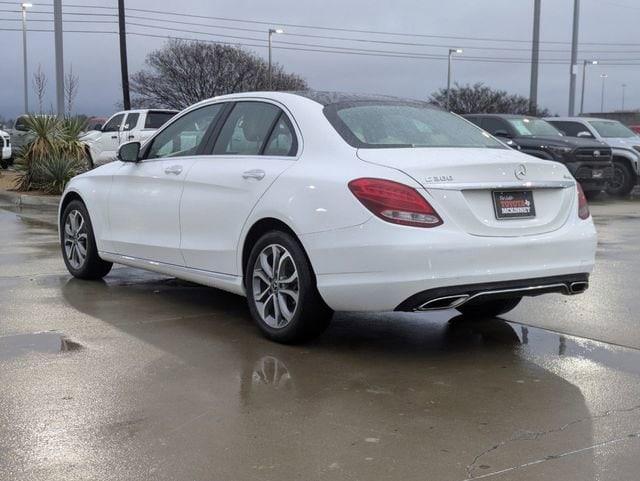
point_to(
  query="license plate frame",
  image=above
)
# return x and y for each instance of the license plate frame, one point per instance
(513, 204)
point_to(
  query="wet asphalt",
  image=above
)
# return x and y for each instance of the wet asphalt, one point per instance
(144, 377)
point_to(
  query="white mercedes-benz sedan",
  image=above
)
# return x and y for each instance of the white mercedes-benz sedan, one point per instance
(314, 202)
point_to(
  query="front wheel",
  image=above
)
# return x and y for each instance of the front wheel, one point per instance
(78, 244)
(623, 180)
(281, 290)
(489, 308)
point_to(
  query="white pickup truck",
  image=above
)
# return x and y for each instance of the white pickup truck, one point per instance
(102, 145)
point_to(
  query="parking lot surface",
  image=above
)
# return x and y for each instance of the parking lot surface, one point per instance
(141, 376)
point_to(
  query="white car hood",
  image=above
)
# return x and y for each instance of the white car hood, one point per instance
(91, 136)
(623, 143)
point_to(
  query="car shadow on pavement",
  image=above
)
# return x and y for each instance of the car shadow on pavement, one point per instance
(379, 394)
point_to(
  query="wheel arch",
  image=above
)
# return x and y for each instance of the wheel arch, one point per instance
(623, 159)
(261, 227)
(66, 200)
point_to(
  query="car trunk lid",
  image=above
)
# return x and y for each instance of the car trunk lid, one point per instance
(472, 187)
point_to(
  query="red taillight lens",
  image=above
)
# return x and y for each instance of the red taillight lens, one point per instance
(395, 202)
(583, 205)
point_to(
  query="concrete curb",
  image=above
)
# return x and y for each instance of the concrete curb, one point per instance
(19, 199)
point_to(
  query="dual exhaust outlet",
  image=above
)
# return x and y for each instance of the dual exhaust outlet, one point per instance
(456, 300)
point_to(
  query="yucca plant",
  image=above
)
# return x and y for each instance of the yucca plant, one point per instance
(54, 155)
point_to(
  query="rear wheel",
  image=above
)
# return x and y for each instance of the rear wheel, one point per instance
(623, 180)
(490, 308)
(281, 290)
(78, 244)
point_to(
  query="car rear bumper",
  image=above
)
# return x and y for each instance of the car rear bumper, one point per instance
(378, 266)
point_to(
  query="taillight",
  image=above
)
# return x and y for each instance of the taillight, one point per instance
(395, 202)
(583, 205)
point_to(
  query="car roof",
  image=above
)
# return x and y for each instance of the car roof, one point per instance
(577, 119)
(322, 97)
(501, 116)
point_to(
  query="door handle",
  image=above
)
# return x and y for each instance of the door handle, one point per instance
(257, 174)
(131, 137)
(174, 169)
(114, 136)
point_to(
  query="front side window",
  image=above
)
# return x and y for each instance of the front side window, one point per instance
(608, 129)
(528, 127)
(246, 129)
(572, 129)
(184, 136)
(494, 125)
(113, 125)
(388, 124)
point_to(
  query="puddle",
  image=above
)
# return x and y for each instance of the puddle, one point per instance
(41, 342)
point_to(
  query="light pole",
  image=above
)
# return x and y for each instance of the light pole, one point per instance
(24, 55)
(603, 76)
(573, 71)
(584, 76)
(624, 86)
(271, 32)
(451, 52)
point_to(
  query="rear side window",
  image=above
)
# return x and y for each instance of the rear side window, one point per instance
(283, 140)
(493, 125)
(246, 129)
(155, 120)
(131, 122)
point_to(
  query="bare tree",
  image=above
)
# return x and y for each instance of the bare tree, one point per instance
(480, 99)
(40, 87)
(71, 84)
(185, 72)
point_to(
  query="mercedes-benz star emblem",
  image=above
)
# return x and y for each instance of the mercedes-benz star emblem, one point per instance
(520, 172)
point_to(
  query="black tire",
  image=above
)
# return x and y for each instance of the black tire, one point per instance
(310, 315)
(624, 180)
(91, 267)
(4, 163)
(490, 308)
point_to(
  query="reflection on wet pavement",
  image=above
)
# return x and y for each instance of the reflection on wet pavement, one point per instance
(41, 342)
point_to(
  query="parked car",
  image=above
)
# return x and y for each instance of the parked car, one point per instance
(624, 143)
(19, 135)
(5, 149)
(588, 160)
(102, 145)
(313, 202)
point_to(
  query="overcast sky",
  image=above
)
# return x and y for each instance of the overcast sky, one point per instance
(95, 57)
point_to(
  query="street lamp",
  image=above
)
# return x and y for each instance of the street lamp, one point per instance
(451, 52)
(624, 86)
(584, 75)
(24, 55)
(603, 76)
(271, 32)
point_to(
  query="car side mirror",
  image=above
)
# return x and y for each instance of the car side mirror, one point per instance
(129, 152)
(502, 133)
(584, 134)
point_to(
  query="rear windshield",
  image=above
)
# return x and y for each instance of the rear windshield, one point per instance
(608, 129)
(388, 124)
(534, 127)
(155, 120)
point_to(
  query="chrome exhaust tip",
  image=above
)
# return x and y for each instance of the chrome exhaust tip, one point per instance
(578, 287)
(447, 302)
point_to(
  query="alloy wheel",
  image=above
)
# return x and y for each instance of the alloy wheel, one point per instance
(275, 286)
(75, 239)
(617, 182)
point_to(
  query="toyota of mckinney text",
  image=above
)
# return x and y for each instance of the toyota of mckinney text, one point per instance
(314, 202)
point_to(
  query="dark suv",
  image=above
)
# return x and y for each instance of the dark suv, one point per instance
(589, 161)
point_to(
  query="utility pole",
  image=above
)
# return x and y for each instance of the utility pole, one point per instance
(24, 55)
(271, 32)
(535, 51)
(584, 76)
(124, 68)
(451, 52)
(603, 76)
(574, 58)
(57, 33)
